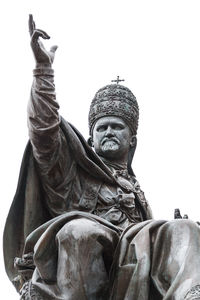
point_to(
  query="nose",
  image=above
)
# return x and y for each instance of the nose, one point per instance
(109, 132)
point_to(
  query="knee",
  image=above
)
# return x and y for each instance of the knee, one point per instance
(77, 229)
(183, 226)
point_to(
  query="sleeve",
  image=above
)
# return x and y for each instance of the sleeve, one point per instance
(141, 196)
(145, 204)
(50, 149)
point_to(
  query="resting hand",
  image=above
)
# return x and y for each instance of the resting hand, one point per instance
(42, 56)
(177, 214)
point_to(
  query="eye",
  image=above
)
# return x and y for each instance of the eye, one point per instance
(101, 128)
(118, 126)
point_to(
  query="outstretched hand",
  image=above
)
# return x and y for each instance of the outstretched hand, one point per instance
(42, 56)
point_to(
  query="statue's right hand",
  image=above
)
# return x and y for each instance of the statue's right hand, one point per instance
(42, 56)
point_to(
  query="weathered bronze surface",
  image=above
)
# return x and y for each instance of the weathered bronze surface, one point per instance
(79, 226)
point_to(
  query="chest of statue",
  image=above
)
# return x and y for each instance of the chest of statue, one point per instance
(113, 202)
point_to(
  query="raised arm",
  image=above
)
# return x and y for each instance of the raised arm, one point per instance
(43, 117)
(50, 148)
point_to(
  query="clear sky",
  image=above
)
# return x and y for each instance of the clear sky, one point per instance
(153, 45)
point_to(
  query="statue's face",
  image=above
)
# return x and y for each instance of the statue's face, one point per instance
(111, 137)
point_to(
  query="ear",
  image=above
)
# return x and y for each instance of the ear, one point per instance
(90, 142)
(133, 141)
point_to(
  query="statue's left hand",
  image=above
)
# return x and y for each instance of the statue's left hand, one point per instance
(42, 56)
(177, 214)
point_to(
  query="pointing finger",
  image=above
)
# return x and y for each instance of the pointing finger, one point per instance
(31, 24)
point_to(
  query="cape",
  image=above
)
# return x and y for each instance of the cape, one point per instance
(28, 210)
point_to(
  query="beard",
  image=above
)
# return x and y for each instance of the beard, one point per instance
(110, 146)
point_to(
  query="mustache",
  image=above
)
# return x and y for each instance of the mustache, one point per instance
(112, 139)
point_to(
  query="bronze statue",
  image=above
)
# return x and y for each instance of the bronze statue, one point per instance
(80, 226)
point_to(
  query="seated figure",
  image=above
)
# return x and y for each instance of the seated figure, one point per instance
(80, 226)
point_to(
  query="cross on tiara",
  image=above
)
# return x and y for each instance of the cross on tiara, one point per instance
(117, 80)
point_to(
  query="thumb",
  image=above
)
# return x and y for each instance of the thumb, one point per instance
(53, 49)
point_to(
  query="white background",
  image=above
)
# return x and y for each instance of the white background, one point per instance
(154, 45)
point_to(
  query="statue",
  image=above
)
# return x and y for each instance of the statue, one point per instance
(79, 226)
